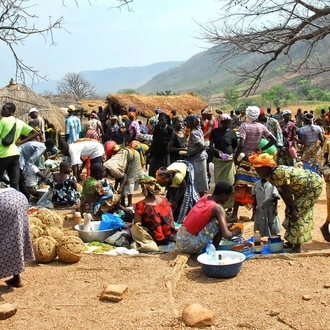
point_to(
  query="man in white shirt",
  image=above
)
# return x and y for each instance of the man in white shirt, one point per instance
(80, 148)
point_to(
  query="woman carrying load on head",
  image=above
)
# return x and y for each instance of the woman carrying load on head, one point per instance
(154, 212)
(299, 190)
(250, 136)
(181, 191)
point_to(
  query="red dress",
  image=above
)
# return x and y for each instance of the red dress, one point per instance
(158, 219)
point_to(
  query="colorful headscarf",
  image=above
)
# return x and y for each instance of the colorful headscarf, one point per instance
(151, 184)
(262, 160)
(224, 117)
(252, 113)
(163, 175)
(132, 115)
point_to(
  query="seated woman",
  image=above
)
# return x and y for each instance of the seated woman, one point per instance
(181, 192)
(206, 221)
(64, 186)
(155, 213)
(98, 196)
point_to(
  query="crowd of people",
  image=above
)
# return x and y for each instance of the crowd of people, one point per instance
(255, 158)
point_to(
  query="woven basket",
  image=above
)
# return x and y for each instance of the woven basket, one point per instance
(44, 249)
(42, 213)
(35, 221)
(36, 232)
(54, 232)
(53, 220)
(70, 249)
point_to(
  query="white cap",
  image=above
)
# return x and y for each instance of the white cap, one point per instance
(33, 110)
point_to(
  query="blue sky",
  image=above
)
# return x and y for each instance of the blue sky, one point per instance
(99, 37)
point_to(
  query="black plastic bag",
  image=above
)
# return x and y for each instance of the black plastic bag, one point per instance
(9, 138)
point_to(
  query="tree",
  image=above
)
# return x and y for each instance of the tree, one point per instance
(127, 91)
(269, 30)
(232, 96)
(17, 23)
(75, 83)
(278, 94)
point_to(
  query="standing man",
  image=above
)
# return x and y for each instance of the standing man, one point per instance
(72, 125)
(278, 115)
(9, 155)
(37, 122)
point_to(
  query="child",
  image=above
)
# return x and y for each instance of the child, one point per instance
(31, 175)
(266, 219)
(64, 186)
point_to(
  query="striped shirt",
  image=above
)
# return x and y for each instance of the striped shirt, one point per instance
(311, 132)
(252, 133)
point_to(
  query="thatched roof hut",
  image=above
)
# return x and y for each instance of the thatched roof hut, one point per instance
(64, 100)
(25, 98)
(145, 105)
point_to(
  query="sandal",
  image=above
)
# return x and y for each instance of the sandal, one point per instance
(325, 232)
(288, 245)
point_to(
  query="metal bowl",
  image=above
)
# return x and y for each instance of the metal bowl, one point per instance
(225, 245)
(245, 248)
(221, 271)
(95, 234)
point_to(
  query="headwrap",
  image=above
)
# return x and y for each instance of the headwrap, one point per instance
(94, 115)
(124, 117)
(208, 111)
(262, 160)
(224, 117)
(286, 112)
(131, 109)
(191, 118)
(132, 115)
(151, 184)
(141, 149)
(33, 110)
(262, 111)
(309, 117)
(152, 120)
(176, 118)
(157, 111)
(252, 113)
(113, 117)
(190, 112)
(111, 147)
(163, 175)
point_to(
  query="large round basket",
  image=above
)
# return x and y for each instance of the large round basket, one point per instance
(54, 232)
(70, 249)
(36, 232)
(35, 221)
(53, 220)
(42, 213)
(44, 249)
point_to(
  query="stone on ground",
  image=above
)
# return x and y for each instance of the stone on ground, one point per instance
(7, 310)
(195, 315)
(114, 292)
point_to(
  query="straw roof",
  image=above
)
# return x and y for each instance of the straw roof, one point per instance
(64, 100)
(25, 98)
(145, 105)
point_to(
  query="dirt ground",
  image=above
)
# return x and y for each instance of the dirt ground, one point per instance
(266, 294)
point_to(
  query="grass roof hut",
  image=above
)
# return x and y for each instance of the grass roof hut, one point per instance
(25, 98)
(145, 104)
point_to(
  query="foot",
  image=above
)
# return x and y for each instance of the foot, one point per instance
(288, 245)
(15, 281)
(296, 249)
(325, 232)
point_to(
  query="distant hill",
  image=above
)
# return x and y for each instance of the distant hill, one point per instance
(203, 74)
(112, 80)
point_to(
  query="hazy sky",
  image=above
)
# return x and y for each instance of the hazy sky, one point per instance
(99, 37)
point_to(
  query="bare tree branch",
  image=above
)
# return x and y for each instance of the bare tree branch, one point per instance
(268, 29)
(17, 23)
(75, 83)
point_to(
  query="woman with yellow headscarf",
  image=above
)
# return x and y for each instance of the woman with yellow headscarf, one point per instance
(154, 212)
(299, 190)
